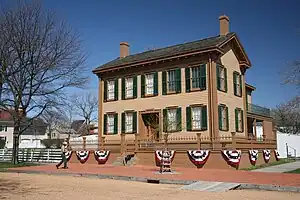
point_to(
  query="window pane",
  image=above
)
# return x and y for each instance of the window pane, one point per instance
(196, 117)
(240, 118)
(224, 118)
(195, 77)
(171, 123)
(149, 84)
(222, 78)
(128, 122)
(110, 123)
(111, 90)
(129, 87)
(171, 81)
(238, 88)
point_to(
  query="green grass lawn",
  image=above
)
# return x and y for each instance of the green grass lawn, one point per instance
(296, 171)
(6, 165)
(281, 161)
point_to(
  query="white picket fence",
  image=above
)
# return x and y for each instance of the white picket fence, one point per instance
(32, 155)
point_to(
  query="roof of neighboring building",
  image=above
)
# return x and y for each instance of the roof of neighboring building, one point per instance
(76, 124)
(251, 87)
(203, 44)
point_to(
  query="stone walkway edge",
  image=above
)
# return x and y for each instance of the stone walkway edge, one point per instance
(161, 181)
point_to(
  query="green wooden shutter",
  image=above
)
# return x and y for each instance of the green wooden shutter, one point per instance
(241, 85)
(204, 118)
(178, 80)
(234, 83)
(188, 118)
(178, 119)
(116, 89)
(135, 87)
(225, 75)
(236, 119)
(116, 123)
(123, 88)
(187, 79)
(165, 120)
(220, 117)
(164, 82)
(134, 122)
(218, 77)
(123, 122)
(105, 124)
(203, 77)
(227, 118)
(242, 113)
(155, 82)
(105, 91)
(143, 85)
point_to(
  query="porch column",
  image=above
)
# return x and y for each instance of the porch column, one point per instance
(244, 96)
(254, 127)
(100, 112)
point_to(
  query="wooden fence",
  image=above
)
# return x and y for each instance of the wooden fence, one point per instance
(32, 155)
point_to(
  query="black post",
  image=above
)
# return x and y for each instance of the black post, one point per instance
(287, 150)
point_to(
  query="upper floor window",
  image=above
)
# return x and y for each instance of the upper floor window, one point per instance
(221, 78)
(171, 81)
(111, 90)
(195, 78)
(129, 87)
(196, 117)
(129, 122)
(239, 120)
(237, 84)
(3, 128)
(223, 117)
(110, 123)
(149, 84)
(172, 119)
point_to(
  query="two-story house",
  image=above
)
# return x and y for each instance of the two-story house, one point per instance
(192, 87)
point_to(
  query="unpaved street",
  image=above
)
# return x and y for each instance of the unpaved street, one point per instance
(37, 187)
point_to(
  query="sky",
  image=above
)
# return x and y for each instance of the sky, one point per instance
(268, 30)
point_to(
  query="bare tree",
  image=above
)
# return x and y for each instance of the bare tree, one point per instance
(287, 116)
(291, 74)
(40, 58)
(55, 120)
(85, 106)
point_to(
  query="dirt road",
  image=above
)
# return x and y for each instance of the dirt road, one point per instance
(36, 187)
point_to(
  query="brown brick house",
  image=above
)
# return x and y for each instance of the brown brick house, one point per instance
(187, 88)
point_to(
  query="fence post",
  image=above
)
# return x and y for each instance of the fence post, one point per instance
(199, 140)
(233, 140)
(84, 143)
(31, 155)
(122, 143)
(3, 151)
(48, 155)
(136, 142)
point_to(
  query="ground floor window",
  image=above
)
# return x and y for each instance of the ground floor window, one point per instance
(111, 123)
(223, 118)
(196, 117)
(172, 119)
(239, 120)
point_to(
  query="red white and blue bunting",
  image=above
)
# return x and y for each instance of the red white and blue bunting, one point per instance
(277, 155)
(101, 156)
(198, 157)
(82, 156)
(232, 157)
(159, 156)
(68, 155)
(253, 155)
(267, 155)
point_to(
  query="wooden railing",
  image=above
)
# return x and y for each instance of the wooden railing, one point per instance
(258, 110)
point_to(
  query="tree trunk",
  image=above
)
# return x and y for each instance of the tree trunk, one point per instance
(16, 135)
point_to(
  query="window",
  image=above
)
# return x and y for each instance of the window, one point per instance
(237, 84)
(149, 86)
(195, 78)
(239, 120)
(223, 118)
(196, 117)
(110, 90)
(171, 81)
(221, 78)
(172, 119)
(129, 122)
(3, 128)
(129, 87)
(110, 123)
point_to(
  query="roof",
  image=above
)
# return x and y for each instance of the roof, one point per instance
(251, 87)
(76, 124)
(203, 44)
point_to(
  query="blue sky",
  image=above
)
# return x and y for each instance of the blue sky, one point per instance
(269, 31)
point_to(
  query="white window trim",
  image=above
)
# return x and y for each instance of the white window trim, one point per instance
(128, 115)
(129, 87)
(238, 84)
(191, 75)
(168, 80)
(240, 119)
(149, 85)
(111, 94)
(194, 121)
(172, 125)
(224, 118)
(110, 118)
(222, 78)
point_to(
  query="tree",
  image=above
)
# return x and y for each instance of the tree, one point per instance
(40, 58)
(287, 116)
(291, 74)
(85, 106)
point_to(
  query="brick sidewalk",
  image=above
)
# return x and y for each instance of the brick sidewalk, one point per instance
(184, 173)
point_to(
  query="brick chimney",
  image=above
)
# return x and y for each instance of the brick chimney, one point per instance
(224, 25)
(124, 49)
